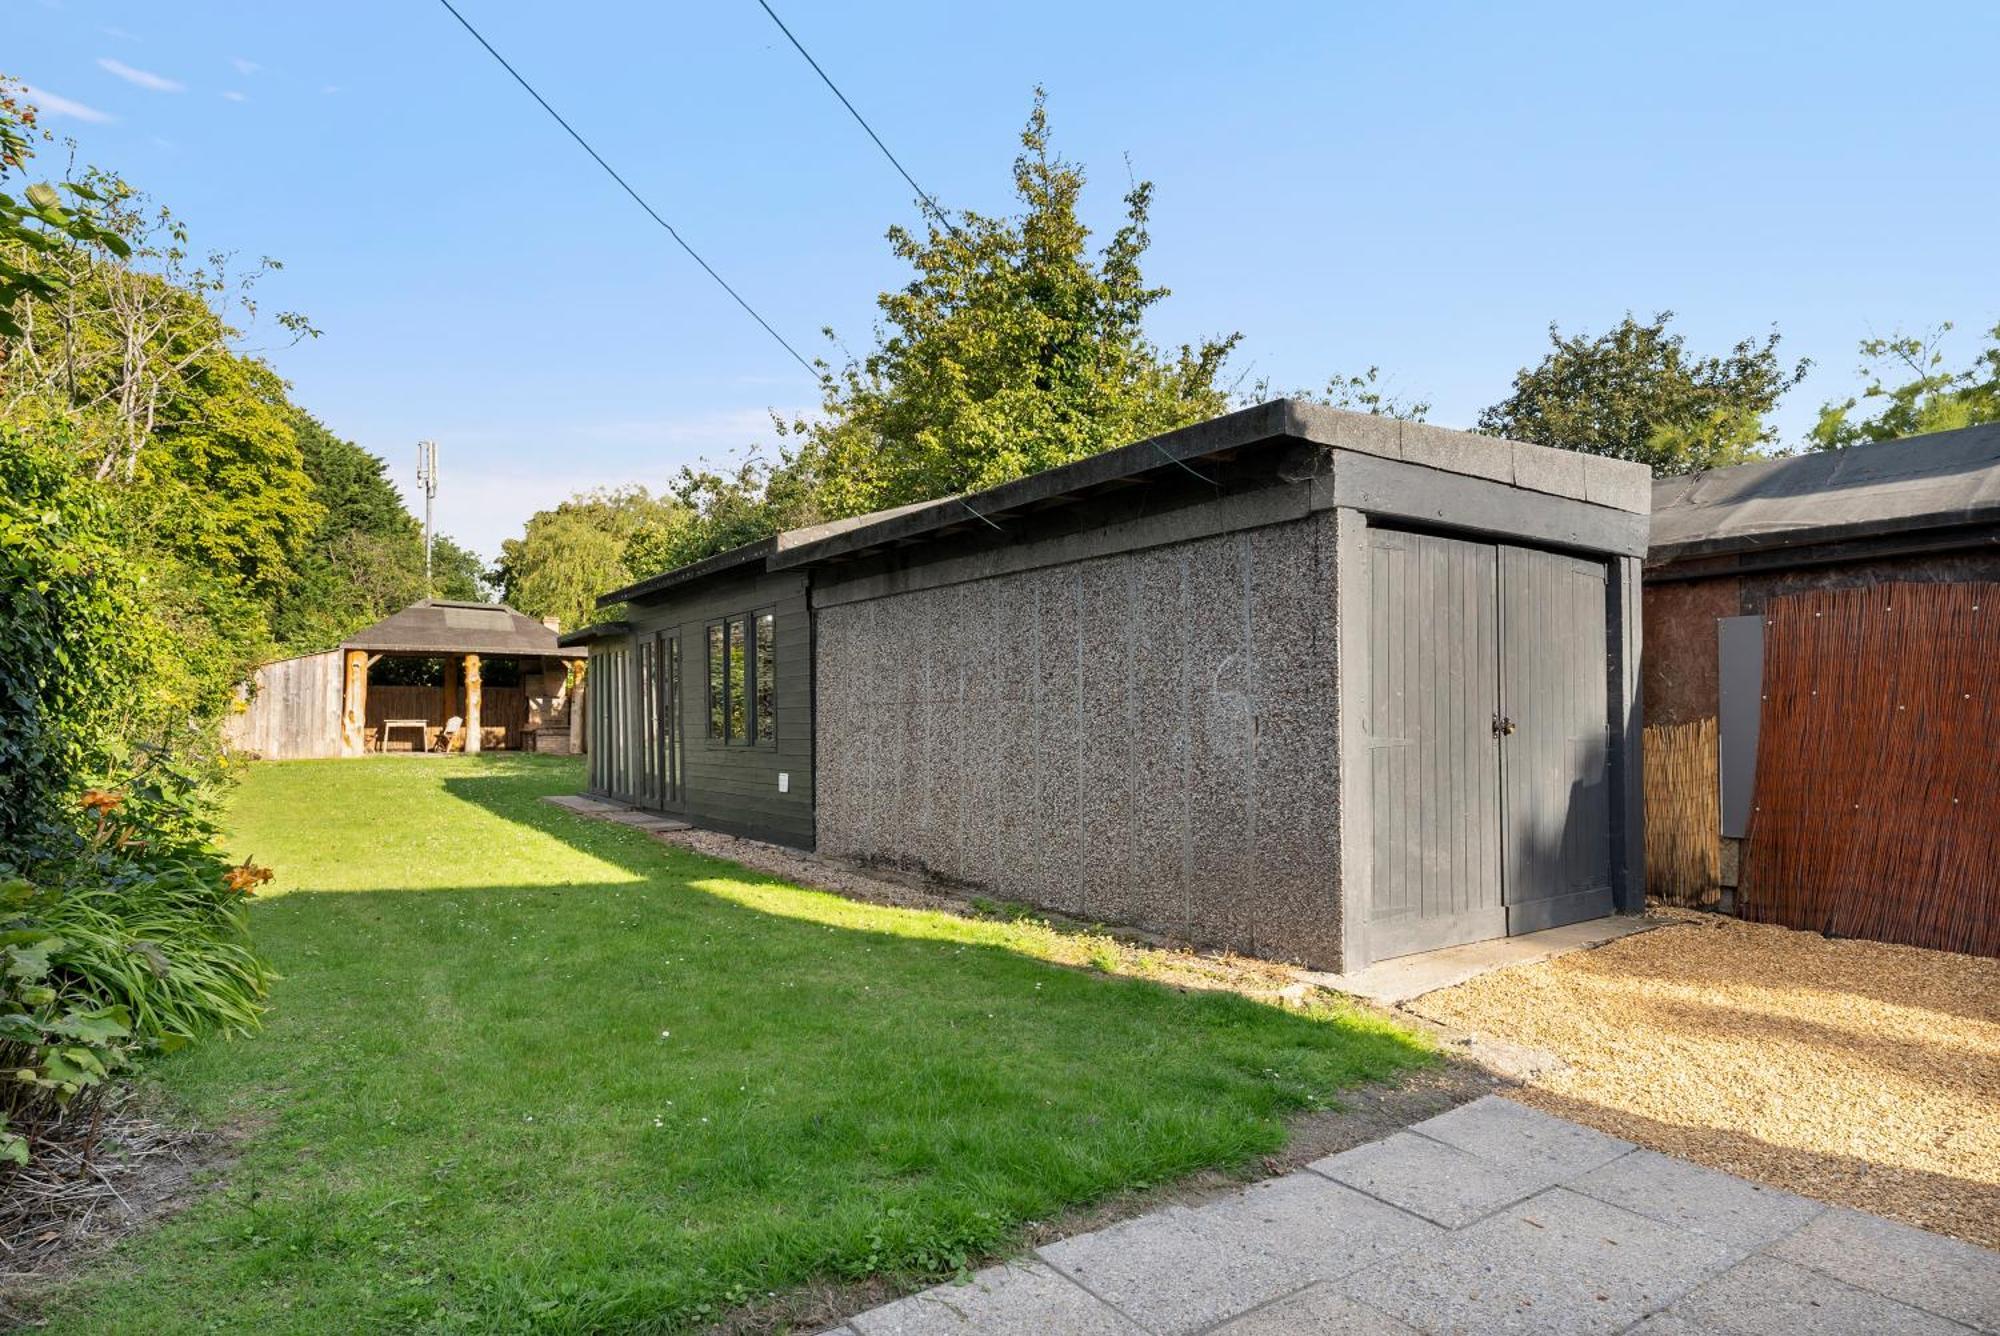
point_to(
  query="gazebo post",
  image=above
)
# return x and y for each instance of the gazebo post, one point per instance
(472, 703)
(354, 704)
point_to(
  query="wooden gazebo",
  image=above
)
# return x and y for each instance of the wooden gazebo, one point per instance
(395, 686)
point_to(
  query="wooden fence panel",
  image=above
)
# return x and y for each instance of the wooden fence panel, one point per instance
(1878, 766)
(503, 715)
(1683, 814)
(291, 711)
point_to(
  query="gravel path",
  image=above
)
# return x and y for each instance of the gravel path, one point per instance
(1855, 1072)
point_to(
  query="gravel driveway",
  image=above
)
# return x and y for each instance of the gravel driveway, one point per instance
(1854, 1072)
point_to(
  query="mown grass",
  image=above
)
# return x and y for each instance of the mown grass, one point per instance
(529, 1072)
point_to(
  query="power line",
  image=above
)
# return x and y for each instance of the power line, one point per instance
(638, 199)
(922, 194)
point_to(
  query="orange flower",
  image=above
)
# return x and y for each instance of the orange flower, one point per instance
(102, 801)
(247, 875)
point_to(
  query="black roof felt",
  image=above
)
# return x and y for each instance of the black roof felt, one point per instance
(1944, 480)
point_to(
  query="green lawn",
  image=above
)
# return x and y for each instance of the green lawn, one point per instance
(530, 1072)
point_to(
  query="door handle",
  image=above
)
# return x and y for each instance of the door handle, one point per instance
(1502, 726)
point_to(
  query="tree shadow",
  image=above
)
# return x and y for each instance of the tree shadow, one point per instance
(1945, 982)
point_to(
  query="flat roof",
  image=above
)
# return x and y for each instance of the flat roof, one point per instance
(1942, 480)
(1593, 479)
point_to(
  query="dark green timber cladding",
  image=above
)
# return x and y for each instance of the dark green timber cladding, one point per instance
(726, 787)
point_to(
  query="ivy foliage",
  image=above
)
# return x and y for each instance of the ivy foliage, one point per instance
(76, 640)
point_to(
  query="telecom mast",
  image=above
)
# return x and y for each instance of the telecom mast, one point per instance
(427, 478)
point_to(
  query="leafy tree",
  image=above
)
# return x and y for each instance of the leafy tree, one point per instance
(573, 553)
(1011, 349)
(1638, 393)
(1928, 398)
(458, 573)
(74, 643)
(365, 558)
(38, 226)
(1364, 393)
(719, 511)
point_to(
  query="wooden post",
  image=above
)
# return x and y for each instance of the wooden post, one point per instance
(472, 702)
(354, 704)
(579, 740)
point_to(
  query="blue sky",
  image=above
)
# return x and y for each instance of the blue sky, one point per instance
(1420, 187)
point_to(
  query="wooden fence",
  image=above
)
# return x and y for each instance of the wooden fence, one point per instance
(503, 715)
(1878, 766)
(290, 710)
(1683, 814)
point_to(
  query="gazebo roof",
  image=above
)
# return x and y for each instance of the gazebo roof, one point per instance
(437, 627)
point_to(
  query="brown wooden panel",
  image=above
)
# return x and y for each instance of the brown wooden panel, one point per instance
(1878, 766)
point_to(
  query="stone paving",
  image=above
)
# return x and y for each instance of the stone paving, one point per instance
(1493, 1217)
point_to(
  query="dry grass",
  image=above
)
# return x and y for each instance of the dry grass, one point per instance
(1853, 1072)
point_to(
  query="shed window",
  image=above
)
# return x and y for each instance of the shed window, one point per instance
(718, 694)
(742, 669)
(737, 629)
(765, 676)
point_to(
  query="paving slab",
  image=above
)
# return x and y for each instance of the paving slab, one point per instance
(576, 802)
(1314, 1310)
(1707, 1201)
(1559, 1262)
(1019, 1299)
(1928, 1271)
(1184, 1270)
(1502, 1132)
(1394, 982)
(1415, 1233)
(1764, 1296)
(1441, 1183)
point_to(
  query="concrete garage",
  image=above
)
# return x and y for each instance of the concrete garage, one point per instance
(1302, 683)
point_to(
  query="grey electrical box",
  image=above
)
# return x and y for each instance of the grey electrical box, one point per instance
(1740, 709)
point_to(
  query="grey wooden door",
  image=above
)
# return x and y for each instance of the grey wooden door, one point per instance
(1434, 779)
(1555, 699)
(1487, 709)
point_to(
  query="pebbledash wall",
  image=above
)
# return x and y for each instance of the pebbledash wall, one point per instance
(1145, 738)
(1224, 685)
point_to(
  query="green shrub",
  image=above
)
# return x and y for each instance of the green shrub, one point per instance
(133, 941)
(74, 641)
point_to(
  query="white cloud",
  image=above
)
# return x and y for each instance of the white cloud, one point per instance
(244, 67)
(330, 88)
(158, 83)
(120, 33)
(54, 104)
(234, 96)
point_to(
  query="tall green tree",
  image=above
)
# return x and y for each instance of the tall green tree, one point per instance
(1637, 392)
(458, 573)
(1911, 392)
(569, 555)
(1013, 348)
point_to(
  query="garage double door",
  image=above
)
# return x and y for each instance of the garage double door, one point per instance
(1487, 709)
